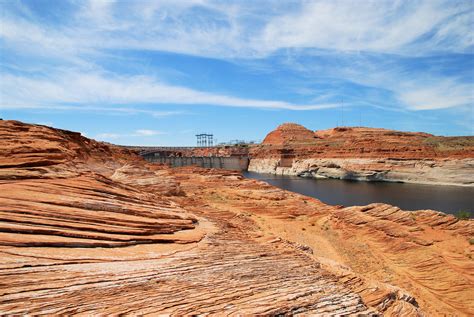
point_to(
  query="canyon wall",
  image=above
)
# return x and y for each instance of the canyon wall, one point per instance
(441, 172)
(366, 154)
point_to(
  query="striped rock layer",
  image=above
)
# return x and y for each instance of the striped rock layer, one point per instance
(88, 228)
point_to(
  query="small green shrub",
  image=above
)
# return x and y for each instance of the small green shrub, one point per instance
(471, 241)
(464, 215)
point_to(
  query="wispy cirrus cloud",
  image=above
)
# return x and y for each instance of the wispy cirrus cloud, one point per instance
(400, 27)
(144, 132)
(400, 83)
(444, 94)
(237, 30)
(110, 110)
(95, 89)
(109, 136)
(245, 33)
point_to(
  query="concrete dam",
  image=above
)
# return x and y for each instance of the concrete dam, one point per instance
(177, 157)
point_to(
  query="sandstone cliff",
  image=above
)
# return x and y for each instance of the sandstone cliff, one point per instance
(88, 228)
(366, 154)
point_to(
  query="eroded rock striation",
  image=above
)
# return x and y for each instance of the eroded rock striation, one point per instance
(89, 228)
(59, 189)
(367, 154)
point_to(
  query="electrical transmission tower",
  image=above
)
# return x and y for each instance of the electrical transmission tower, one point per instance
(204, 140)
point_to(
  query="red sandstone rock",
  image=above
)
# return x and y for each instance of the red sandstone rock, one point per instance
(88, 228)
(58, 189)
(395, 260)
(289, 134)
(366, 154)
(347, 142)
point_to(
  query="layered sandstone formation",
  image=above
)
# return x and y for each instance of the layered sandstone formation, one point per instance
(88, 228)
(400, 262)
(366, 154)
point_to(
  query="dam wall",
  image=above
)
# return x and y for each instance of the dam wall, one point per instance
(239, 163)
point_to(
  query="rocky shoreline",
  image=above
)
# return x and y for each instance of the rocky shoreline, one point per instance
(366, 154)
(454, 172)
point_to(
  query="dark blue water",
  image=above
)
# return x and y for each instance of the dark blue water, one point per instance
(449, 199)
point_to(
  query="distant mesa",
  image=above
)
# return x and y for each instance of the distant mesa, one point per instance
(367, 154)
(294, 134)
(367, 141)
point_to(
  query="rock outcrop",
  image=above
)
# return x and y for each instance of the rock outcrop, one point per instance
(366, 154)
(289, 134)
(89, 228)
(58, 190)
(401, 262)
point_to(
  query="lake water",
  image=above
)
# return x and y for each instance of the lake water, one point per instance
(449, 199)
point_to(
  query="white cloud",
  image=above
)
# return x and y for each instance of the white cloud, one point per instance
(380, 26)
(98, 12)
(412, 87)
(105, 136)
(245, 30)
(94, 89)
(140, 133)
(419, 91)
(226, 31)
(445, 94)
(147, 132)
(112, 110)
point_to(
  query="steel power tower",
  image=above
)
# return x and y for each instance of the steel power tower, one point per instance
(204, 140)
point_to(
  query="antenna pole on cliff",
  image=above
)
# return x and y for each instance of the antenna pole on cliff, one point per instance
(472, 118)
(342, 111)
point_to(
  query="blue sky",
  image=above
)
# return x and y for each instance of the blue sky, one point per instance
(158, 72)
